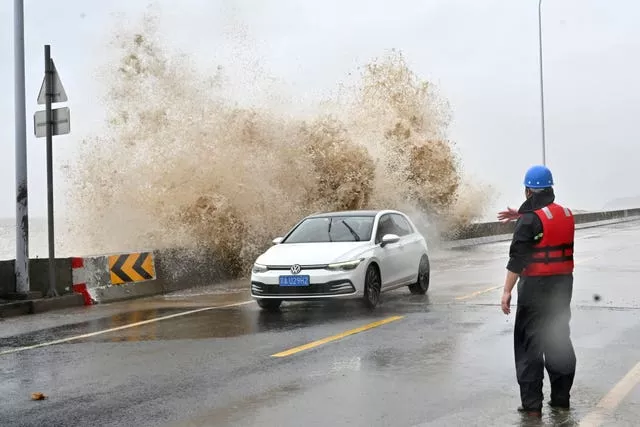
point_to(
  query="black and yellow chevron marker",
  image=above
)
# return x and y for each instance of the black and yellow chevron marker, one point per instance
(127, 268)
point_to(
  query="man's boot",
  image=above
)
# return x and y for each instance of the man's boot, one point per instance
(530, 412)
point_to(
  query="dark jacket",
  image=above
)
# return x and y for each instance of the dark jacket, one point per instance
(528, 230)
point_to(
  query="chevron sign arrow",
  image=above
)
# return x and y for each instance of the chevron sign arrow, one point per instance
(128, 268)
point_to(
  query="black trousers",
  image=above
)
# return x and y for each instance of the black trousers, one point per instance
(542, 339)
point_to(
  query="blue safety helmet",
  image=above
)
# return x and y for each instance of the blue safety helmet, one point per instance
(538, 177)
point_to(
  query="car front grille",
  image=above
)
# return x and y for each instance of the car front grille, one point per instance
(302, 267)
(339, 287)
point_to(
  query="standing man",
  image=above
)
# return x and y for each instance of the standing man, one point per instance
(541, 255)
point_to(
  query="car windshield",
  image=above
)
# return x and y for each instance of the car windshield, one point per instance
(332, 229)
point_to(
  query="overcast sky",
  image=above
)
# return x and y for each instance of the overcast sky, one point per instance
(482, 53)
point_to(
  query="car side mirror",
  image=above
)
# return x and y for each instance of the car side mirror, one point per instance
(277, 240)
(389, 238)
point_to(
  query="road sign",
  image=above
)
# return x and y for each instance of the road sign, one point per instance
(59, 95)
(60, 125)
(136, 267)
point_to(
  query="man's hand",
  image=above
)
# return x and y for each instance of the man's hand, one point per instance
(509, 283)
(506, 302)
(509, 215)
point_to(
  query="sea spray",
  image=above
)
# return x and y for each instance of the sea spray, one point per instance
(182, 166)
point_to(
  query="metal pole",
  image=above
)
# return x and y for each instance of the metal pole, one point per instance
(49, 95)
(544, 154)
(21, 267)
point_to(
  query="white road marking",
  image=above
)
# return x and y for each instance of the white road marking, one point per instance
(119, 328)
(613, 398)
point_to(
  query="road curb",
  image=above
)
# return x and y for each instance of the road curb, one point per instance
(40, 305)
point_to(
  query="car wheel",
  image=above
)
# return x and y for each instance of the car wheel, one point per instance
(422, 285)
(372, 287)
(269, 304)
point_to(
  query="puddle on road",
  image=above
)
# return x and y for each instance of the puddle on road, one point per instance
(219, 323)
(238, 321)
(556, 418)
(237, 410)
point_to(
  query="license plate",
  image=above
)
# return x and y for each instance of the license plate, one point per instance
(294, 280)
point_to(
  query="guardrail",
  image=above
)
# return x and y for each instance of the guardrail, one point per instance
(123, 276)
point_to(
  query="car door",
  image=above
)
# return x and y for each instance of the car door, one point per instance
(390, 256)
(409, 249)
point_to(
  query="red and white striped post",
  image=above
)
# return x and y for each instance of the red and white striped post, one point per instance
(79, 280)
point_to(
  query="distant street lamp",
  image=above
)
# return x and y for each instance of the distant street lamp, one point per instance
(21, 267)
(544, 156)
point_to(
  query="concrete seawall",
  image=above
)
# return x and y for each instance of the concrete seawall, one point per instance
(121, 276)
(38, 274)
(497, 228)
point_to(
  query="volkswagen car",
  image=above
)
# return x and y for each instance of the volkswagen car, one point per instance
(346, 254)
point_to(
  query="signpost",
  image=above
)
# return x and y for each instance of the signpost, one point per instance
(59, 122)
(48, 123)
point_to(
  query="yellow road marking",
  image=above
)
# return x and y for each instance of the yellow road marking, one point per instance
(337, 337)
(119, 328)
(612, 399)
(580, 261)
(484, 291)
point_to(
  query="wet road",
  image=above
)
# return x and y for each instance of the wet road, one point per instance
(443, 359)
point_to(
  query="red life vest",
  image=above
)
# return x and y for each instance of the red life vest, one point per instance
(553, 254)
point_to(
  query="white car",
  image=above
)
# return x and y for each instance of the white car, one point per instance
(342, 255)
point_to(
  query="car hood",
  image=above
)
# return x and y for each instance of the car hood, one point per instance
(312, 253)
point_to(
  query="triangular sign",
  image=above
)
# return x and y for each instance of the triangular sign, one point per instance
(59, 95)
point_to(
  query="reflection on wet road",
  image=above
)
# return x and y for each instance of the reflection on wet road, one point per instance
(441, 359)
(224, 323)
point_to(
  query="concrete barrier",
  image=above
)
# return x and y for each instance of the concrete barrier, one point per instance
(170, 270)
(497, 228)
(119, 276)
(122, 276)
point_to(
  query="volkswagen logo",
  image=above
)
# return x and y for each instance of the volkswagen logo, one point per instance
(295, 269)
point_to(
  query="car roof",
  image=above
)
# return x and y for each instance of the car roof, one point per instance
(363, 212)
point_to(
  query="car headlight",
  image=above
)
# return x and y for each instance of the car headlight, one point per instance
(259, 268)
(347, 265)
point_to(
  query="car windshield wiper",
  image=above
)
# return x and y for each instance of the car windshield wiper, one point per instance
(355, 235)
(329, 229)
